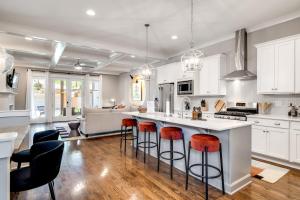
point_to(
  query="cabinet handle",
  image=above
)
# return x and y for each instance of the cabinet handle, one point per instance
(257, 122)
(277, 123)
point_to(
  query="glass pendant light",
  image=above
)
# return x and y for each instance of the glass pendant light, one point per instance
(146, 69)
(191, 61)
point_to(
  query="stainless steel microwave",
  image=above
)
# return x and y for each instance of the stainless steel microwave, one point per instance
(185, 87)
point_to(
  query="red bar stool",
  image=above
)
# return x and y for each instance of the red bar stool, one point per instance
(147, 127)
(171, 134)
(127, 123)
(205, 143)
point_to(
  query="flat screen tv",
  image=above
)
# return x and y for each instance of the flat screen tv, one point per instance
(12, 80)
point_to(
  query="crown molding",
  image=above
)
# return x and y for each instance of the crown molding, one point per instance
(258, 27)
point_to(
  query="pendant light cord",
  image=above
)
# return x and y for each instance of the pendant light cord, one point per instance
(192, 23)
(147, 45)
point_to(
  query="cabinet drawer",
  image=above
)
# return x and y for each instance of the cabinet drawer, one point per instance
(295, 126)
(270, 123)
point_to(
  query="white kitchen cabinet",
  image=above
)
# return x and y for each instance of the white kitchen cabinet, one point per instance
(295, 146)
(278, 143)
(295, 142)
(210, 82)
(169, 73)
(259, 140)
(266, 69)
(285, 67)
(297, 65)
(271, 138)
(276, 67)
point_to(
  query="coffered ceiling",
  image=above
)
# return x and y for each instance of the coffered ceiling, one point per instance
(106, 42)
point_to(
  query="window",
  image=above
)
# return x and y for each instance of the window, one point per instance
(38, 106)
(76, 97)
(94, 90)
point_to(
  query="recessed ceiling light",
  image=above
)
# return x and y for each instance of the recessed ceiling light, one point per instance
(90, 12)
(28, 38)
(78, 68)
(174, 37)
(132, 56)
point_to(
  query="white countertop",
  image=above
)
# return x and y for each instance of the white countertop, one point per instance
(210, 124)
(9, 136)
(275, 117)
(15, 113)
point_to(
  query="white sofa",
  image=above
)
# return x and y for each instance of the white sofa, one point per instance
(101, 121)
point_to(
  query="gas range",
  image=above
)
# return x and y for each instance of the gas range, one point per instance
(238, 111)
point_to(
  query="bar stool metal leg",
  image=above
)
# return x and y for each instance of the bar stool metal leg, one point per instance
(148, 143)
(222, 173)
(125, 134)
(145, 145)
(158, 157)
(188, 167)
(202, 167)
(184, 151)
(206, 174)
(121, 139)
(137, 142)
(156, 135)
(171, 159)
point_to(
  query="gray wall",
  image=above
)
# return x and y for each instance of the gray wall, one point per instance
(20, 98)
(110, 89)
(246, 90)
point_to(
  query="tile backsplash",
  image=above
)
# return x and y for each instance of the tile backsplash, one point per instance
(245, 91)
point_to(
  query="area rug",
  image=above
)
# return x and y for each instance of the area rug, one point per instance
(64, 134)
(267, 172)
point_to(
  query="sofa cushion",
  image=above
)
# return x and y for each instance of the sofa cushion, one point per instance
(94, 110)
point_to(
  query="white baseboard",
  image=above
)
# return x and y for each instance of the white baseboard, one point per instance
(276, 160)
(239, 184)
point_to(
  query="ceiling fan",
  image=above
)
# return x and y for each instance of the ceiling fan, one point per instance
(78, 65)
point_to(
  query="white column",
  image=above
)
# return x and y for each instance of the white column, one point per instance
(28, 92)
(86, 91)
(101, 90)
(6, 149)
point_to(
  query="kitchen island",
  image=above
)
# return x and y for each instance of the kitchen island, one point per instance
(235, 137)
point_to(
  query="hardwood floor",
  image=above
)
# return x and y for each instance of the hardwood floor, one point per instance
(96, 169)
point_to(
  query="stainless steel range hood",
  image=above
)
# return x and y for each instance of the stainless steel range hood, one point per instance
(240, 72)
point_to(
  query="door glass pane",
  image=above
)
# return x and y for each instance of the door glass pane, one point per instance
(76, 97)
(94, 94)
(60, 99)
(38, 98)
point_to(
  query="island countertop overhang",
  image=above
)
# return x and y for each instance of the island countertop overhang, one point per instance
(209, 124)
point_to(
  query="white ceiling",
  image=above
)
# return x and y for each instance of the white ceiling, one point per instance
(119, 24)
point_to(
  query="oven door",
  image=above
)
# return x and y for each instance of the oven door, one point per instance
(185, 87)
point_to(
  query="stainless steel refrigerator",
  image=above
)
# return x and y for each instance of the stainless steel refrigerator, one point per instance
(166, 93)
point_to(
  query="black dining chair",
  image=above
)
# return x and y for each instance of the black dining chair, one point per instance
(43, 169)
(24, 156)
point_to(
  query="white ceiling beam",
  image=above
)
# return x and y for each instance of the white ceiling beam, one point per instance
(58, 50)
(110, 61)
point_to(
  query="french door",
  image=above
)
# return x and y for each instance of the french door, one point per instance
(67, 99)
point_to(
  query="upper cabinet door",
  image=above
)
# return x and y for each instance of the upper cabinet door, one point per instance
(213, 64)
(297, 66)
(266, 69)
(284, 67)
(204, 78)
(210, 82)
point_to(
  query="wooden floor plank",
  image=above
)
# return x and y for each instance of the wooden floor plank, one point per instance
(95, 169)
